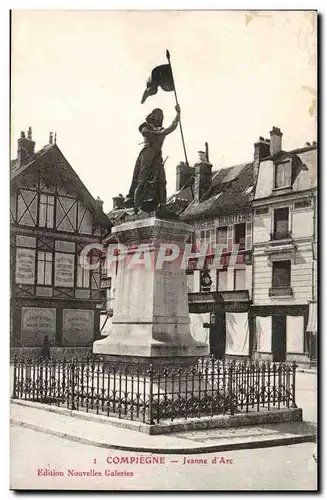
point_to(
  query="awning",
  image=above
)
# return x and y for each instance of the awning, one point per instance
(312, 321)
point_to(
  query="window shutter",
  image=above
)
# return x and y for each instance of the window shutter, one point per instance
(229, 238)
(248, 239)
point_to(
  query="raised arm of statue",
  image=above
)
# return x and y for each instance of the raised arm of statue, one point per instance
(148, 132)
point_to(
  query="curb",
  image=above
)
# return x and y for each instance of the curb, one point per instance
(307, 370)
(268, 443)
(216, 422)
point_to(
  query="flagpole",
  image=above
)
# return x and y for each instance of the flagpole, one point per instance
(180, 123)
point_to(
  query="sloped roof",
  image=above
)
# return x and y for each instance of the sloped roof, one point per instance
(231, 190)
(51, 160)
(304, 171)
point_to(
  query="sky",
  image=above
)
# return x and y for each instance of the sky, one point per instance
(82, 74)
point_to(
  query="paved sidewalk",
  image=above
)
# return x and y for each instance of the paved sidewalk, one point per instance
(102, 434)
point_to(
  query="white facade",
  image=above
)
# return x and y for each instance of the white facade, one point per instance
(283, 266)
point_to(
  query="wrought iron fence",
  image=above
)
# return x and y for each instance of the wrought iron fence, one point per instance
(130, 391)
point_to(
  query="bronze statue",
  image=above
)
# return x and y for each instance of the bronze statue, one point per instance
(148, 188)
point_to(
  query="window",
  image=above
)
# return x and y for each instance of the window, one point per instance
(239, 279)
(44, 268)
(221, 280)
(239, 235)
(222, 235)
(281, 223)
(281, 277)
(283, 174)
(205, 236)
(83, 276)
(46, 214)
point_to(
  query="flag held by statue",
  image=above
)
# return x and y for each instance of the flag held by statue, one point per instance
(162, 77)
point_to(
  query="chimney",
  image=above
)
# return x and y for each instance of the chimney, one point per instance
(202, 176)
(275, 141)
(183, 174)
(261, 149)
(25, 149)
(99, 202)
(118, 202)
(50, 137)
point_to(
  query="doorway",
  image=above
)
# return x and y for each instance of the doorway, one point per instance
(217, 335)
(279, 338)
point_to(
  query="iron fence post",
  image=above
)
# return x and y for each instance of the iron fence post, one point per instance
(14, 392)
(150, 416)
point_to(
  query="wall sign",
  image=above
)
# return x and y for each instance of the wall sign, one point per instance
(218, 307)
(224, 220)
(25, 266)
(37, 322)
(78, 326)
(64, 270)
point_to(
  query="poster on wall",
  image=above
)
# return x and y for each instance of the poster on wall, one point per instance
(25, 266)
(64, 270)
(78, 326)
(36, 323)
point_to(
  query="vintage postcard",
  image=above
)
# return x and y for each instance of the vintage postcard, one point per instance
(163, 250)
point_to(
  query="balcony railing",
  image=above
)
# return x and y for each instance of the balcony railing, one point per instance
(278, 291)
(280, 235)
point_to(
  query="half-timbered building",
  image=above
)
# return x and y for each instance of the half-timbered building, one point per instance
(53, 217)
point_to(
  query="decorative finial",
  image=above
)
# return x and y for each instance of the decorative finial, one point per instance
(50, 137)
(29, 133)
(55, 138)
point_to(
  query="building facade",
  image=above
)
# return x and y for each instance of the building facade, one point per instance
(52, 218)
(259, 298)
(220, 292)
(284, 267)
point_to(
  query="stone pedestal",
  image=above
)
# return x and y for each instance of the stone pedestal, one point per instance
(151, 321)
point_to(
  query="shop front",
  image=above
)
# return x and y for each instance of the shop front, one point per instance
(221, 319)
(279, 332)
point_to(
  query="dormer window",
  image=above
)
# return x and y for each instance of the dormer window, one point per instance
(283, 174)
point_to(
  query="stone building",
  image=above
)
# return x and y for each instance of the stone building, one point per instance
(261, 300)
(284, 238)
(218, 206)
(52, 217)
